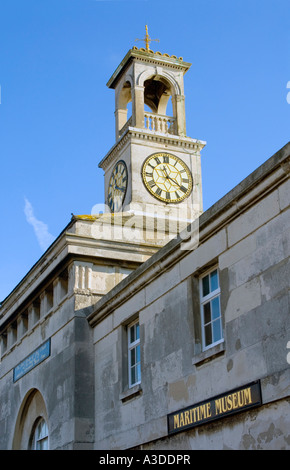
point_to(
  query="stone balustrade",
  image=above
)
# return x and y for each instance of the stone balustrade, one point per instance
(154, 122)
(159, 123)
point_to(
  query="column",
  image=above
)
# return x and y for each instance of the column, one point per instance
(180, 115)
(22, 325)
(3, 344)
(138, 107)
(11, 335)
(33, 313)
(120, 119)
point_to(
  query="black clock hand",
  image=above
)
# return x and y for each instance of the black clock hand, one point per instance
(168, 177)
(164, 169)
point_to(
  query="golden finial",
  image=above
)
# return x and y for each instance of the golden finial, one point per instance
(147, 39)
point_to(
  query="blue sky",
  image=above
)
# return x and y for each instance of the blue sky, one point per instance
(57, 115)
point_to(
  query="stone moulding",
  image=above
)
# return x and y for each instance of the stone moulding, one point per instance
(150, 57)
(168, 139)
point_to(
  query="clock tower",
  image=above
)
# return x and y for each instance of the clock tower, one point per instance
(154, 167)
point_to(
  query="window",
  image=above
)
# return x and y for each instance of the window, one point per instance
(211, 321)
(39, 439)
(134, 360)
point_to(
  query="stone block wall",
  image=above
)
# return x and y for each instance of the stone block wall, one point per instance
(249, 243)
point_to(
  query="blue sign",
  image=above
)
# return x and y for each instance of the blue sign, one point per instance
(31, 361)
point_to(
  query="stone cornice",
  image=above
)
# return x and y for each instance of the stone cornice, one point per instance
(75, 242)
(156, 58)
(143, 136)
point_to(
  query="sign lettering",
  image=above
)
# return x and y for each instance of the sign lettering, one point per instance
(234, 401)
(31, 361)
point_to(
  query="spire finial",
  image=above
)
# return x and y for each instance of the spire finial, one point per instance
(147, 39)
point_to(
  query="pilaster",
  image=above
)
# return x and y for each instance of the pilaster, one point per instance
(33, 314)
(11, 335)
(22, 325)
(138, 107)
(180, 115)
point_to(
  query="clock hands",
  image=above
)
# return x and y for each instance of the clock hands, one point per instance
(120, 189)
(165, 171)
(117, 186)
(168, 177)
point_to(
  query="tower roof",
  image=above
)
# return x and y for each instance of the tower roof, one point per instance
(148, 56)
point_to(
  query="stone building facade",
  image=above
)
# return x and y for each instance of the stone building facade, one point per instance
(191, 352)
(155, 325)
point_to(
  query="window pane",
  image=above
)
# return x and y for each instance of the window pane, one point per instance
(206, 312)
(214, 281)
(133, 376)
(42, 445)
(215, 308)
(205, 286)
(137, 331)
(133, 360)
(42, 430)
(40, 437)
(138, 353)
(38, 446)
(132, 334)
(208, 337)
(138, 373)
(45, 444)
(217, 333)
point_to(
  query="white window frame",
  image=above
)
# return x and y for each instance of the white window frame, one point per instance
(134, 345)
(40, 436)
(205, 300)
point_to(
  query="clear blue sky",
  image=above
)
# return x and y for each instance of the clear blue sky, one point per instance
(57, 115)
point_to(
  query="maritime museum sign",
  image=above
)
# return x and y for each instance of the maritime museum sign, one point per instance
(237, 400)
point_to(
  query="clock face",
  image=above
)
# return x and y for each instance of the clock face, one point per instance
(117, 186)
(167, 177)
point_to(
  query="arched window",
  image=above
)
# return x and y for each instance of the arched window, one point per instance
(39, 438)
(28, 428)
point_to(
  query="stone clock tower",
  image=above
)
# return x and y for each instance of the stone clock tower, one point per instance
(153, 167)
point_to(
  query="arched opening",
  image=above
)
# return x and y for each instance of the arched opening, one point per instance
(156, 95)
(154, 103)
(124, 107)
(159, 115)
(31, 426)
(125, 96)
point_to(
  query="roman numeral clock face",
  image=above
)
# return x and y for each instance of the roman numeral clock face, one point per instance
(117, 186)
(167, 177)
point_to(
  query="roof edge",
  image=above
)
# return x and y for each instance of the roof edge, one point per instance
(142, 54)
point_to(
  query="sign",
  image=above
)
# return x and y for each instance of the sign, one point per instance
(31, 361)
(218, 407)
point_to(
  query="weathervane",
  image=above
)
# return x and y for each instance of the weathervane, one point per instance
(147, 39)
